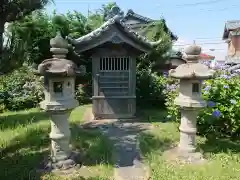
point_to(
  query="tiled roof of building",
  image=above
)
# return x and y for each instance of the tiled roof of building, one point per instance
(204, 56)
(229, 26)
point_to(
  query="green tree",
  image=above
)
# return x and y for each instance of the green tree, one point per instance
(157, 31)
(97, 18)
(30, 36)
(12, 10)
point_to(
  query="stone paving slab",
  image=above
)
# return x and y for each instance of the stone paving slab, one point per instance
(127, 155)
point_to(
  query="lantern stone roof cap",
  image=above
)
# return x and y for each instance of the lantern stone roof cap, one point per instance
(57, 67)
(192, 69)
(89, 41)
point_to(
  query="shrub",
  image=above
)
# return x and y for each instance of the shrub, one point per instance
(84, 87)
(221, 117)
(171, 90)
(149, 88)
(20, 89)
(83, 93)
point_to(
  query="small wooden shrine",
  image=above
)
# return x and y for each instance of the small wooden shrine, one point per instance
(113, 48)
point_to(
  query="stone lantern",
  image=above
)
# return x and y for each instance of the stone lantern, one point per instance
(190, 102)
(59, 89)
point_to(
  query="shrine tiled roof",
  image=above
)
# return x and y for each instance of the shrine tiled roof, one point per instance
(107, 26)
(138, 16)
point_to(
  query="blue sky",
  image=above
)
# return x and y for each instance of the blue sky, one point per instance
(199, 20)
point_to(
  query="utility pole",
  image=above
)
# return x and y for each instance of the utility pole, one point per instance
(88, 13)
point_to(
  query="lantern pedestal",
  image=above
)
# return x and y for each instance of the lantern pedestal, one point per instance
(179, 156)
(186, 151)
(62, 157)
(188, 130)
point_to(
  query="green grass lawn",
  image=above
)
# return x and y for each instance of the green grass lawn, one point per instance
(24, 143)
(223, 155)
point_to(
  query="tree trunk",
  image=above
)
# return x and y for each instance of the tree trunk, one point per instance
(1, 36)
(1, 43)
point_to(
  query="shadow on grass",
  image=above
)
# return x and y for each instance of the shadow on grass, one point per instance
(123, 137)
(214, 145)
(13, 120)
(90, 178)
(150, 143)
(34, 139)
(94, 147)
(152, 115)
(27, 151)
(24, 154)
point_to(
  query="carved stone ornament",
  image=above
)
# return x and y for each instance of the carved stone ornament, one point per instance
(58, 42)
(115, 11)
(116, 40)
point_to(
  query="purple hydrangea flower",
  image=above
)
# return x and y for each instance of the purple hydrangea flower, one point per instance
(165, 74)
(216, 113)
(226, 86)
(225, 76)
(211, 103)
(172, 87)
(207, 88)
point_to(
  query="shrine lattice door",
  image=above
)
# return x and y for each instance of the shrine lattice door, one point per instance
(112, 98)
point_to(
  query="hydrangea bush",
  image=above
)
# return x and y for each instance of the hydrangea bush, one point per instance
(221, 117)
(20, 89)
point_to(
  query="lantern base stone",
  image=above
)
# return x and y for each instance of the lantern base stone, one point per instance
(185, 157)
(64, 167)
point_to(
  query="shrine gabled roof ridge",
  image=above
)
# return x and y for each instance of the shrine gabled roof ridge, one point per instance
(106, 26)
(132, 13)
